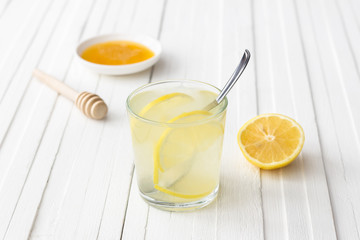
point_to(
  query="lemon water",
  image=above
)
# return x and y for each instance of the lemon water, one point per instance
(177, 145)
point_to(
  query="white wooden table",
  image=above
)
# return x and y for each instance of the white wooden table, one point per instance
(63, 176)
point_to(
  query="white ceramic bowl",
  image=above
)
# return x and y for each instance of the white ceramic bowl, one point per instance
(149, 42)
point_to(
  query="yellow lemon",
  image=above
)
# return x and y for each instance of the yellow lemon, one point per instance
(178, 144)
(271, 140)
(175, 153)
(161, 109)
(168, 105)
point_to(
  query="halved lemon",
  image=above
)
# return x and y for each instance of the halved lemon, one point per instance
(271, 140)
(176, 151)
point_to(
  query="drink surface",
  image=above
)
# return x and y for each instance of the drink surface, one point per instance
(177, 153)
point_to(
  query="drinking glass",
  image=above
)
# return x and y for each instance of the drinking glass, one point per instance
(177, 145)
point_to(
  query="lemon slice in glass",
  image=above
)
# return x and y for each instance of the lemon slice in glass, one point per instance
(271, 141)
(165, 107)
(175, 154)
(161, 109)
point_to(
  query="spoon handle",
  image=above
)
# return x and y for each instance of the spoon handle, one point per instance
(235, 76)
(57, 85)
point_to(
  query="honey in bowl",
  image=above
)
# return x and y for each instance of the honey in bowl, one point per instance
(117, 53)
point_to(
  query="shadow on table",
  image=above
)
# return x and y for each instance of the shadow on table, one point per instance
(243, 186)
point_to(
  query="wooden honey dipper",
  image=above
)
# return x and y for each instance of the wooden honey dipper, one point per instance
(90, 104)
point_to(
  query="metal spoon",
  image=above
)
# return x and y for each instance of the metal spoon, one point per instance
(234, 77)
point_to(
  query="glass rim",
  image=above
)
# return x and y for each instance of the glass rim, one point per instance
(207, 119)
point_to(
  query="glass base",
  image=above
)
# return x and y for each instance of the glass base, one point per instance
(179, 207)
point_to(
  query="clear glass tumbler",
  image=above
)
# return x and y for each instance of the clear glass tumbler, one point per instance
(177, 145)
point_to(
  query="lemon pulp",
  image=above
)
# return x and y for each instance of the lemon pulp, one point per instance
(271, 140)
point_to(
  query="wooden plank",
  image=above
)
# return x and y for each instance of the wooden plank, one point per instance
(334, 116)
(347, 18)
(101, 207)
(36, 106)
(16, 154)
(136, 215)
(344, 83)
(25, 18)
(346, 69)
(273, 210)
(3, 6)
(315, 182)
(239, 210)
(72, 152)
(354, 6)
(114, 146)
(10, 102)
(302, 185)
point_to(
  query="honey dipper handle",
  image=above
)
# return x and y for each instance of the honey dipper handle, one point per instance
(55, 84)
